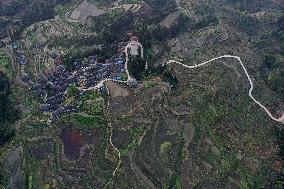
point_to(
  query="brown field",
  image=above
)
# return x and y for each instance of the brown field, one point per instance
(72, 144)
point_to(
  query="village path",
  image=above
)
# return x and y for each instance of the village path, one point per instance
(119, 157)
(280, 119)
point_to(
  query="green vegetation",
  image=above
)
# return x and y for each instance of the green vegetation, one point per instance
(5, 64)
(270, 61)
(247, 24)
(72, 91)
(165, 149)
(169, 77)
(29, 182)
(209, 17)
(136, 66)
(8, 114)
(226, 129)
(69, 58)
(135, 133)
(91, 104)
(94, 108)
(91, 122)
(25, 96)
(4, 60)
(150, 85)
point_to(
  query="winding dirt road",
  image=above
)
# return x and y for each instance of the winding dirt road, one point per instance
(280, 119)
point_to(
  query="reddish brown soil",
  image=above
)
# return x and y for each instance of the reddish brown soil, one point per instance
(72, 144)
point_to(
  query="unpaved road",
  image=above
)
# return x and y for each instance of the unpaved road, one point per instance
(280, 120)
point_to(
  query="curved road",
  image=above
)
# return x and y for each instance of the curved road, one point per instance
(280, 120)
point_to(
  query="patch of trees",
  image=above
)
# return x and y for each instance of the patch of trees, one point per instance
(182, 24)
(8, 114)
(165, 74)
(112, 29)
(208, 15)
(248, 24)
(72, 56)
(136, 67)
(273, 72)
(169, 77)
(72, 91)
(69, 59)
(148, 36)
(118, 28)
(206, 22)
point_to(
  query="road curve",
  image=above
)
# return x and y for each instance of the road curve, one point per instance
(280, 119)
(101, 84)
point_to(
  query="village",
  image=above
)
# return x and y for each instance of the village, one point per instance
(53, 86)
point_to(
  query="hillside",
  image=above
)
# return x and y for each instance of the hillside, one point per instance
(99, 101)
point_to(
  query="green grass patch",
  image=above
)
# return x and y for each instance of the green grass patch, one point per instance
(92, 122)
(5, 64)
(4, 59)
(24, 96)
(135, 133)
(150, 85)
(29, 182)
(165, 149)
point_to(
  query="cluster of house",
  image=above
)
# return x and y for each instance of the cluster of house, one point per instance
(52, 88)
(21, 57)
(91, 74)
